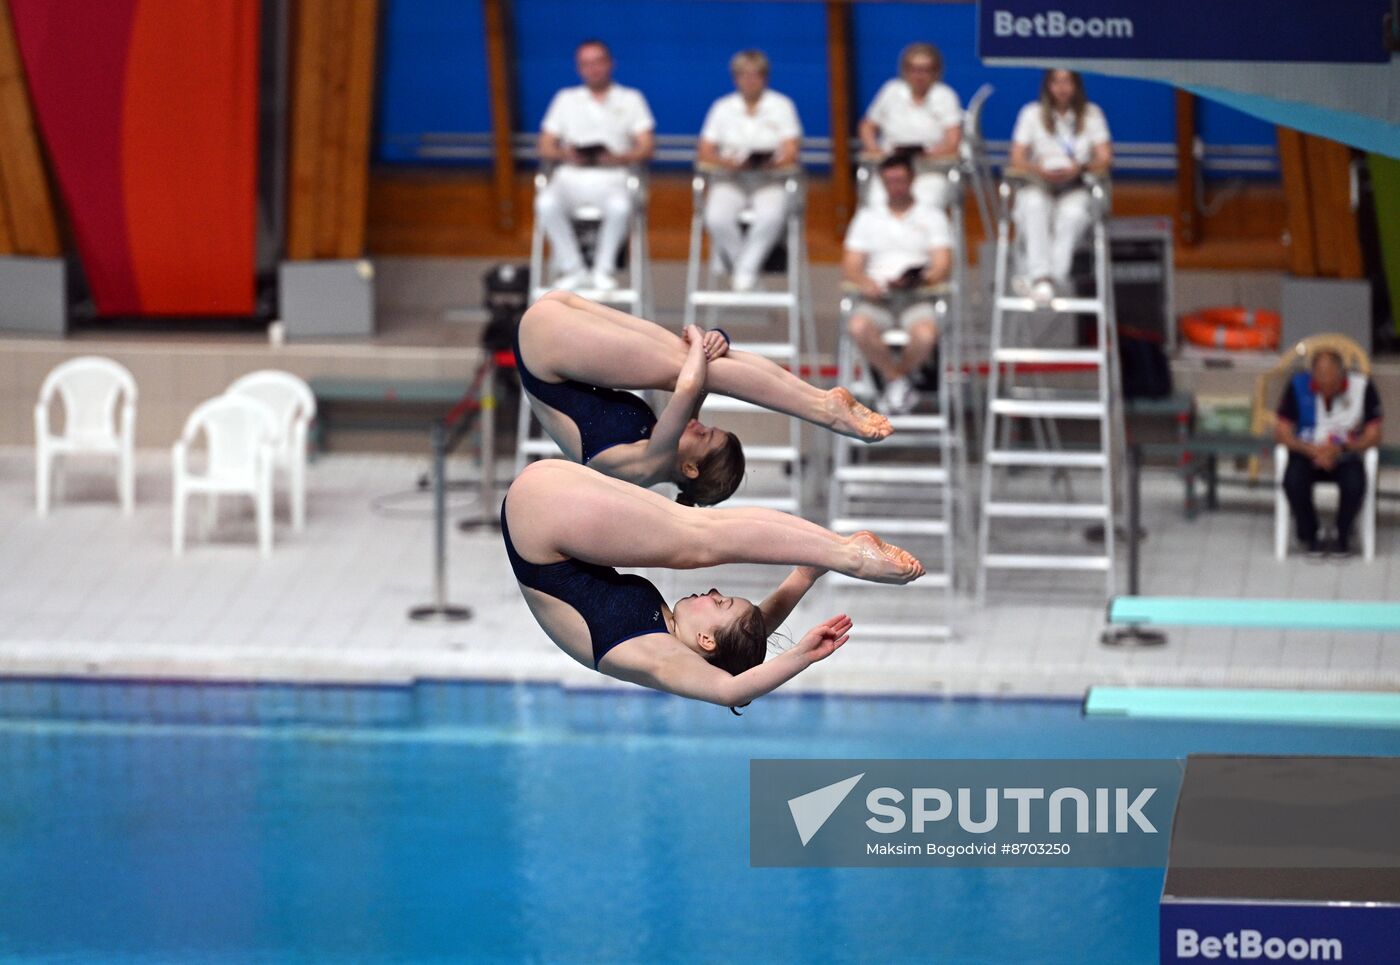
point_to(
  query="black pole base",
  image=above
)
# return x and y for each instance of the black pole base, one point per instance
(432, 613)
(1132, 635)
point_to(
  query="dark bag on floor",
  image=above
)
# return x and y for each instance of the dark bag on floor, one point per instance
(1146, 372)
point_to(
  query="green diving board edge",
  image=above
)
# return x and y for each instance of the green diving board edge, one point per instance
(1193, 611)
(1353, 708)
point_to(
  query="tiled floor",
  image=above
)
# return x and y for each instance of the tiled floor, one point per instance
(87, 591)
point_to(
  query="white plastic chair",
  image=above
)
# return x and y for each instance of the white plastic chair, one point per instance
(1371, 459)
(239, 433)
(294, 405)
(90, 387)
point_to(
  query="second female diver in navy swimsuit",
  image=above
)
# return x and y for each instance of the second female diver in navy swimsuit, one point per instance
(575, 356)
(566, 526)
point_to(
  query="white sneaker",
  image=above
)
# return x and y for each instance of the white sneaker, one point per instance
(1042, 292)
(744, 282)
(572, 279)
(899, 397)
(604, 282)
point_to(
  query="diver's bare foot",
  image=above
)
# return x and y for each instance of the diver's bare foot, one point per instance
(881, 562)
(850, 418)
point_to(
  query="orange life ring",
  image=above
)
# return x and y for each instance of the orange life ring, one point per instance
(1232, 328)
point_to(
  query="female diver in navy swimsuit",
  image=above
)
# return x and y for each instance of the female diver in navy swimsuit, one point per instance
(566, 527)
(574, 355)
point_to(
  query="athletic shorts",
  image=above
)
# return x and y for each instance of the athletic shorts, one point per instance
(884, 318)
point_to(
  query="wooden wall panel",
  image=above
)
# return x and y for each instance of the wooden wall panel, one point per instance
(333, 49)
(838, 64)
(1187, 229)
(28, 225)
(1323, 231)
(1302, 258)
(503, 195)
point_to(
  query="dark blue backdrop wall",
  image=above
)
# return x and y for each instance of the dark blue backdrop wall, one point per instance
(433, 105)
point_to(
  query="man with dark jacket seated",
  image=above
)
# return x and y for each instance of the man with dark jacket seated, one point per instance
(1327, 418)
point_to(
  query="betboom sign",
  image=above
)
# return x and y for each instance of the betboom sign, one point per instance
(1255, 30)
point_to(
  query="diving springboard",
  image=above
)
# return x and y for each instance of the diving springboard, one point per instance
(1193, 611)
(1351, 708)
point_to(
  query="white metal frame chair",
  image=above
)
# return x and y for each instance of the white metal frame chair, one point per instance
(531, 441)
(1040, 404)
(90, 387)
(636, 295)
(1366, 518)
(794, 299)
(239, 433)
(1354, 357)
(925, 500)
(294, 405)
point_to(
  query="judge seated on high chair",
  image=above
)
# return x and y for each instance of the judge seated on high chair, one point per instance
(895, 252)
(1329, 421)
(591, 133)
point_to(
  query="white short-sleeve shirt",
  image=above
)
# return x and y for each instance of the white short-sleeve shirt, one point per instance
(1062, 142)
(738, 133)
(578, 118)
(902, 120)
(895, 242)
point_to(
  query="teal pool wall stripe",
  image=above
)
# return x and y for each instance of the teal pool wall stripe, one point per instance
(1262, 614)
(1359, 708)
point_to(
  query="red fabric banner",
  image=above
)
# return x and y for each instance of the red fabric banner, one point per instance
(148, 111)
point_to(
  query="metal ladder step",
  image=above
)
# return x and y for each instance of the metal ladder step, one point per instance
(1016, 303)
(769, 350)
(771, 454)
(1027, 561)
(787, 504)
(540, 447)
(918, 423)
(1051, 458)
(732, 299)
(1047, 510)
(892, 474)
(1050, 356)
(1047, 408)
(892, 525)
(722, 403)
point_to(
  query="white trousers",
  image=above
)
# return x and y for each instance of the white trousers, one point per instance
(727, 200)
(930, 188)
(572, 187)
(1050, 226)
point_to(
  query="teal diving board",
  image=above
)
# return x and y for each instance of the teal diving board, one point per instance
(1194, 611)
(1352, 708)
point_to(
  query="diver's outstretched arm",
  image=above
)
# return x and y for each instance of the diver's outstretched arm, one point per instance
(682, 672)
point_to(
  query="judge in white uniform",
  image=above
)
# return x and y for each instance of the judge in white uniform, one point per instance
(1057, 139)
(893, 250)
(917, 115)
(748, 134)
(593, 132)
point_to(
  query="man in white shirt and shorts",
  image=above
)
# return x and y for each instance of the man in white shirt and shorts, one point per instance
(748, 135)
(593, 132)
(892, 252)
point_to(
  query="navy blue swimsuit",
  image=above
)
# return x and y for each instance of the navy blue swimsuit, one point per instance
(615, 606)
(605, 417)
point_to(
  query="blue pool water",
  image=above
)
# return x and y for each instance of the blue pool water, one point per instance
(484, 822)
